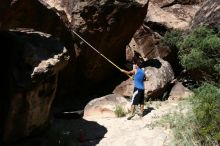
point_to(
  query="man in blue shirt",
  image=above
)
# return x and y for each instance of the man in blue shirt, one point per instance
(138, 94)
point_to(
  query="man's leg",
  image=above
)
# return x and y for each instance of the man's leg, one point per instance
(142, 109)
(132, 112)
(134, 101)
(142, 103)
(132, 109)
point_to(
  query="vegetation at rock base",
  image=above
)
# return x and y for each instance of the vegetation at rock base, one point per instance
(199, 52)
(119, 111)
(206, 108)
(182, 125)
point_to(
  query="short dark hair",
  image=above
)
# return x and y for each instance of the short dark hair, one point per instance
(138, 60)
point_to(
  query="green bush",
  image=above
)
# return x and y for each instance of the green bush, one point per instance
(194, 59)
(206, 107)
(200, 47)
(172, 38)
(119, 111)
(198, 50)
(200, 125)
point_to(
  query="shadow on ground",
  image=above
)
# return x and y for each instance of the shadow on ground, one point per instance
(148, 110)
(63, 132)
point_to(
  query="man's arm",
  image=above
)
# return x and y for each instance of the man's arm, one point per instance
(132, 72)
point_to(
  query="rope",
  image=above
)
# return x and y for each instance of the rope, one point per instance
(99, 52)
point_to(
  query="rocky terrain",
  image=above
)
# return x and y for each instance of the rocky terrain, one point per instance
(49, 70)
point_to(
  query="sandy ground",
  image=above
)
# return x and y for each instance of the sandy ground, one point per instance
(137, 131)
(120, 131)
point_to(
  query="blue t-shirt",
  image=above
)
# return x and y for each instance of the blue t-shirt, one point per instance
(139, 79)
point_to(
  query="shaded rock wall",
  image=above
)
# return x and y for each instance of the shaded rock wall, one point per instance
(39, 16)
(108, 26)
(34, 64)
(32, 67)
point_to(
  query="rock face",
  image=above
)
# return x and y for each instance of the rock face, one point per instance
(159, 74)
(146, 43)
(31, 81)
(209, 14)
(175, 16)
(3, 7)
(158, 15)
(37, 15)
(105, 106)
(107, 25)
(163, 15)
(179, 92)
(167, 3)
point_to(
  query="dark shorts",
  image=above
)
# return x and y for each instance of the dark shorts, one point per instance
(138, 97)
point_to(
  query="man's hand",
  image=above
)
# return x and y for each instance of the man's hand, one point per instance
(132, 72)
(124, 71)
(129, 73)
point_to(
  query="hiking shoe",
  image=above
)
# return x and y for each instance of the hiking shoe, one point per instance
(131, 116)
(140, 114)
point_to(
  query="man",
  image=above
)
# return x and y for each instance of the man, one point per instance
(138, 94)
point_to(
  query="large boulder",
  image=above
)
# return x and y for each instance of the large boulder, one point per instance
(170, 20)
(40, 16)
(146, 42)
(34, 60)
(159, 74)
(167, 3)
(162, 16)
(5, 4)
(179, 92)
(176, 16)
(107, 25)
(37, 15)
(209, 14)
(105, 106)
